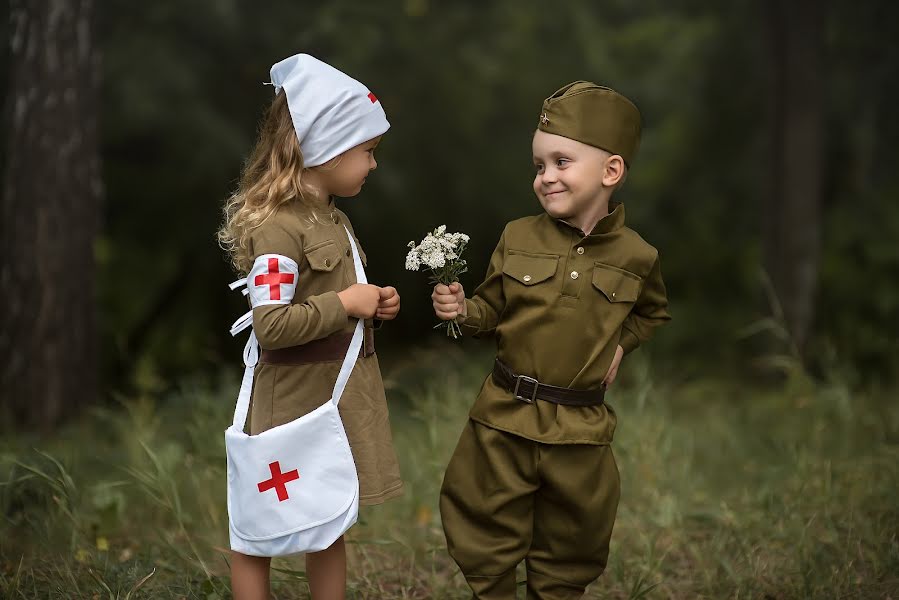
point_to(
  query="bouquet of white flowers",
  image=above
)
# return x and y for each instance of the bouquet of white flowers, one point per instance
(441, 254)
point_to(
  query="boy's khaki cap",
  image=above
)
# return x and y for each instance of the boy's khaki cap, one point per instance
(595, 115)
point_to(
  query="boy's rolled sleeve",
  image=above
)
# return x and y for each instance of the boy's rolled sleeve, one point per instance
(650, 311)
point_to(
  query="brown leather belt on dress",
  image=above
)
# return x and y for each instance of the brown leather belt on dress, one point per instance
(326, 349)
(528, 389)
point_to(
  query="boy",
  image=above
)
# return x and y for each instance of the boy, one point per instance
(567, 294)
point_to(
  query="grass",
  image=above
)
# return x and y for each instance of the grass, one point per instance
(729, 491)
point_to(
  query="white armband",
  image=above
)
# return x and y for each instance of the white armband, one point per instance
(272, 280)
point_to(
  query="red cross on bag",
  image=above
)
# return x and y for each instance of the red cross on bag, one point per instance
(278, 481)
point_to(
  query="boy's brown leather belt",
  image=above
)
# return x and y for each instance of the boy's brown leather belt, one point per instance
(326, 349)
(528, 389)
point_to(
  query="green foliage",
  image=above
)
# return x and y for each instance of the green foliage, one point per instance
(859, 277)
(728, 491)
(462, 84)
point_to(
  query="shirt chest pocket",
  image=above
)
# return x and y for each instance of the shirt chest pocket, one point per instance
(324, 256)
(617, 285)
(530, 269)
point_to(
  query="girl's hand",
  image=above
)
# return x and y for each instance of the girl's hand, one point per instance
(360, 300)
(389, 304)
(449, 301)
(613, 368)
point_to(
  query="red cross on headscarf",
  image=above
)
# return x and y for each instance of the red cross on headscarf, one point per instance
(372, 97)
(274, 278)
(278, 481)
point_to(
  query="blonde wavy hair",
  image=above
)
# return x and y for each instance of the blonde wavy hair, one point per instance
(272, 176)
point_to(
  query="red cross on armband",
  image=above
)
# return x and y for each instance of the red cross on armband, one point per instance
(274, 280)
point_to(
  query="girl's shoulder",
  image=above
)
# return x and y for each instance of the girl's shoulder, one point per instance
(294, 228)
(280, 233)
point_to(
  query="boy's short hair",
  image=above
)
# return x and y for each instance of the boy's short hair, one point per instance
(594, 115)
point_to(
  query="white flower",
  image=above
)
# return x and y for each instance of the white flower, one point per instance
(412, 261)
(440, 252)
(436, 250)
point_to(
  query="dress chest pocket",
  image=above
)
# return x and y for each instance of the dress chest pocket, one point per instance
(617, 285)
(323, 257)
(530, 269)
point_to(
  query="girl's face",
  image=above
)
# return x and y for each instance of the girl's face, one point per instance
(346, 177)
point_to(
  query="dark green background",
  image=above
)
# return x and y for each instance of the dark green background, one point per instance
(462, 84)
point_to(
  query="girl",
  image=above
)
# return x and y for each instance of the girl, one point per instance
(316, 142)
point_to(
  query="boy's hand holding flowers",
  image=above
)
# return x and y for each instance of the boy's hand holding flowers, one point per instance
(441, 254)
(449, 300)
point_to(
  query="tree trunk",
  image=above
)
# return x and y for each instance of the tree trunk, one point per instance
(49, 213)
(791, 214)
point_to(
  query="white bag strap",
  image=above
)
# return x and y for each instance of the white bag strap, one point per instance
(251, 349)
(352, 353)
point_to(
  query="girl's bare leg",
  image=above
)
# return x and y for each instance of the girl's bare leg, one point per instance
(326, 571)
(250, 576)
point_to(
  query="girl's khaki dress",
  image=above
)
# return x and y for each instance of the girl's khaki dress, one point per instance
(302, 345)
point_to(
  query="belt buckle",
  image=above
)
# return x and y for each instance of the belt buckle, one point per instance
(533, 396)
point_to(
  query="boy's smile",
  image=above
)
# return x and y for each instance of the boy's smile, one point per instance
(573, 180)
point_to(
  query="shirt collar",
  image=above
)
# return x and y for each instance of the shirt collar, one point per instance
(612, 221)
(315, 210)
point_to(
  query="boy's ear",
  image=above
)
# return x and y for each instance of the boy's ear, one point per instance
(613, 172)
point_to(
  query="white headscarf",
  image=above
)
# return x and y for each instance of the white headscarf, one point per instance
(331, 111)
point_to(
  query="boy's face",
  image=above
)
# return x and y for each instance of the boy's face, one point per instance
(347, 177)
(570, 174)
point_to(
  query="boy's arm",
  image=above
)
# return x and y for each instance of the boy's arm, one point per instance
(485, 306)
(650, 311)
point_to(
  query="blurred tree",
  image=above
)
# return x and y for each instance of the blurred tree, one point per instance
(50, 208)
(792, 212)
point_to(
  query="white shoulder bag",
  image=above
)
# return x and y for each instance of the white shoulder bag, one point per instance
(292, 488)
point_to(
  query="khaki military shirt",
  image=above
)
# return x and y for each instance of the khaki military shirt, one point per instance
(317, 241)
(559, 303)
